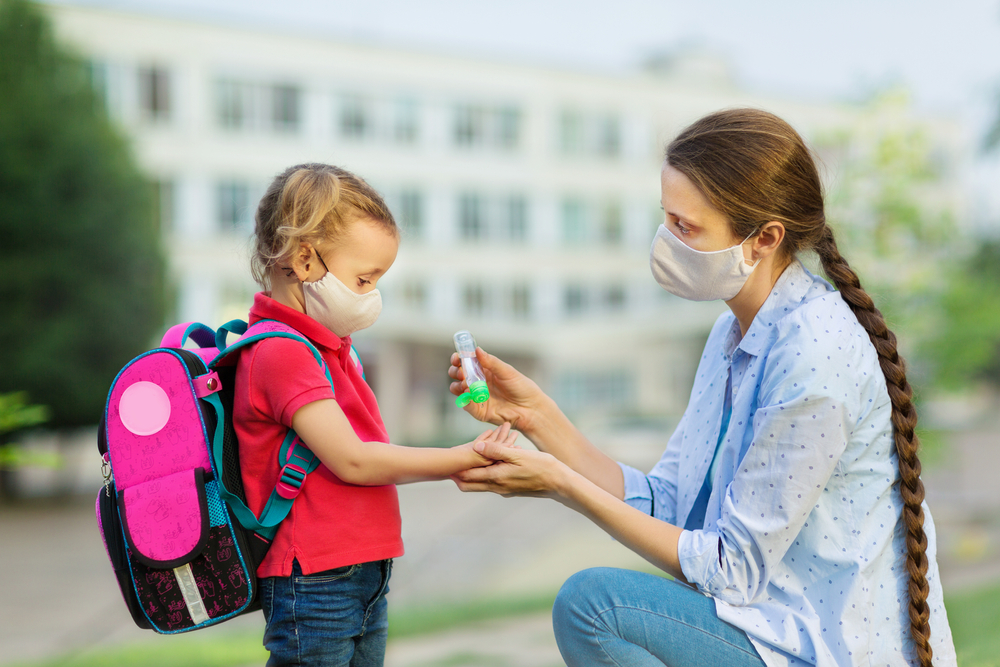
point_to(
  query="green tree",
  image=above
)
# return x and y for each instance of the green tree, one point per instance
(965, 347)
(891, 205)
(81, 263)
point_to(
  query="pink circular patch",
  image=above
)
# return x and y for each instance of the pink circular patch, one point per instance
(144, 408)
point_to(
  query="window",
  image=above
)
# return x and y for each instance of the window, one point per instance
(154, 93)
(571, 134)
(232, 104)
(415, 295)
(609, 140)
(614, 297)
(406, 124)
(574, 223)
(590, 134)
(411, 213)
(471, 217)
(163, 205)
(233, 206)
(520, 302)
(285, 108)
(517, 218)
(611, 224)
(355, 117)
(469, 125)
(97, 75)
(577, 390)
(481, 126)
(475, 299)
(574, 300)
(508, 127)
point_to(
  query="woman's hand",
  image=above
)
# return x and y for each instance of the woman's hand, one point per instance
(513, 397)
(503, 436)
(515, 472)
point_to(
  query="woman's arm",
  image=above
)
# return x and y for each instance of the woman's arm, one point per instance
(526, 473)
(324, 427)
(517, 400)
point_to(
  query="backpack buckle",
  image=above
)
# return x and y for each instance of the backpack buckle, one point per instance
(290, 481)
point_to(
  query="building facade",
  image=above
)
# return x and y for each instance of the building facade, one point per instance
(528, 197)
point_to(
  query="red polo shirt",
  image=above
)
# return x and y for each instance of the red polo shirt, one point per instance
(332, 523)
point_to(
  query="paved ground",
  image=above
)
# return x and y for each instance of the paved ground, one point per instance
(57, 594)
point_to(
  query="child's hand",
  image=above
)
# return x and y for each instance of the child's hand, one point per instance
(503, 436)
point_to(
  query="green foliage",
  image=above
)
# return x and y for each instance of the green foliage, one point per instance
(965, 344)
(891, 210)
(81, 267)
(15, 414)
(975, 624)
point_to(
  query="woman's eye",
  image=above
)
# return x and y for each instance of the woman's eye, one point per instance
(362, 282)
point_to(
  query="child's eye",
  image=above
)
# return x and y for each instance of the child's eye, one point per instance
(362, 282)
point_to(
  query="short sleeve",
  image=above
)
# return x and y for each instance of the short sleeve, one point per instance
(284, 376)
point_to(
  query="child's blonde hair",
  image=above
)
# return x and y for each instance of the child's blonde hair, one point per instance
(313, 203)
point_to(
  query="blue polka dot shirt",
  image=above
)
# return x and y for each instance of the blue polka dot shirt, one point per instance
(800, 542)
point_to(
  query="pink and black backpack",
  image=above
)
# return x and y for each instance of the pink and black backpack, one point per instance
(182, 542)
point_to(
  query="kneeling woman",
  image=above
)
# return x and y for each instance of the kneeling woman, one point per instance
(790, 494)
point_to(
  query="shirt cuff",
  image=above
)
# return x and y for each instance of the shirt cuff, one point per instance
(698, 553)
(638, 492)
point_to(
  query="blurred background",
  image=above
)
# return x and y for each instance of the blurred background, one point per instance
(519, 146)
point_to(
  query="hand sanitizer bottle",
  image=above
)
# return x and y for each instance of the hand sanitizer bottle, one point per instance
(465, 345)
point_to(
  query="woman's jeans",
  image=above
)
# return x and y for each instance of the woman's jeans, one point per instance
(606, 616)
(332, 618)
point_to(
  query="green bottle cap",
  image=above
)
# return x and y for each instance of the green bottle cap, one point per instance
(463, 399)
(480, 392)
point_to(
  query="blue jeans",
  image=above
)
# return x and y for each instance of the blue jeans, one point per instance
(606, 616)
(334, 618)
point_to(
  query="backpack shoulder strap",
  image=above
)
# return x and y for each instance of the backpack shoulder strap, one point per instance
(294, 457)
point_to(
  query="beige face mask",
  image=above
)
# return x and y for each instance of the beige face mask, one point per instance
(341, 310)
(695, 275)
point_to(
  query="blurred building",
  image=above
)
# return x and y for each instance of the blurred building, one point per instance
(528, 196)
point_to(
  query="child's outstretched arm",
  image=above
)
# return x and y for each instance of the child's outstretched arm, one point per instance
(323, 426)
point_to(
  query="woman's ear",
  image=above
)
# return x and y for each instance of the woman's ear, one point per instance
(768, 240)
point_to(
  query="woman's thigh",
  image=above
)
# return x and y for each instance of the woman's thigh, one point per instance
(606, 616)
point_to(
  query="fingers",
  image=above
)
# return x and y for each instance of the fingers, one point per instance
(492, 449)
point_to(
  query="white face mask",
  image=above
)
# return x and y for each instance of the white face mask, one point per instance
(341, 310)
(695, 275)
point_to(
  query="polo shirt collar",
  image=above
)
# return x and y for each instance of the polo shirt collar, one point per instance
(266, 308)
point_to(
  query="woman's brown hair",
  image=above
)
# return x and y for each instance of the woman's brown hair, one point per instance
(755, 168)
(314, 203)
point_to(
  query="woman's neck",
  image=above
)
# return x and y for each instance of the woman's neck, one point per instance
(748, 301)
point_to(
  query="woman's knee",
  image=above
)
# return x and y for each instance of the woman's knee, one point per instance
(582, 597)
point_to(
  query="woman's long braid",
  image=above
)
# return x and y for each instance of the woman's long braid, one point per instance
(904, 421)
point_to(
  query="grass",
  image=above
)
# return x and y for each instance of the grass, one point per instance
(974, 618)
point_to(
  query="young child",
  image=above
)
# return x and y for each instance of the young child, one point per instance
(324, 237)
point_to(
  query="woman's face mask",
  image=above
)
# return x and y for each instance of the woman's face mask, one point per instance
(695, 275)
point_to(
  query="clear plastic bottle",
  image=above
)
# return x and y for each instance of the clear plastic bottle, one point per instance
(478, 392)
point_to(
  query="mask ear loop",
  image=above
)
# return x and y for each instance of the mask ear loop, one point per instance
(752, 234)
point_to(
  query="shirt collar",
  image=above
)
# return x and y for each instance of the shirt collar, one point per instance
(266, 308)
(787, 294)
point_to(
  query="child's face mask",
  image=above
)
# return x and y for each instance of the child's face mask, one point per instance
(695, 275)
(341, 310)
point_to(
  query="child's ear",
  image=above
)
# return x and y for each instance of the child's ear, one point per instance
(303, 262)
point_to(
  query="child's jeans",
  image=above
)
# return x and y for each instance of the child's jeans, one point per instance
(332, 618)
